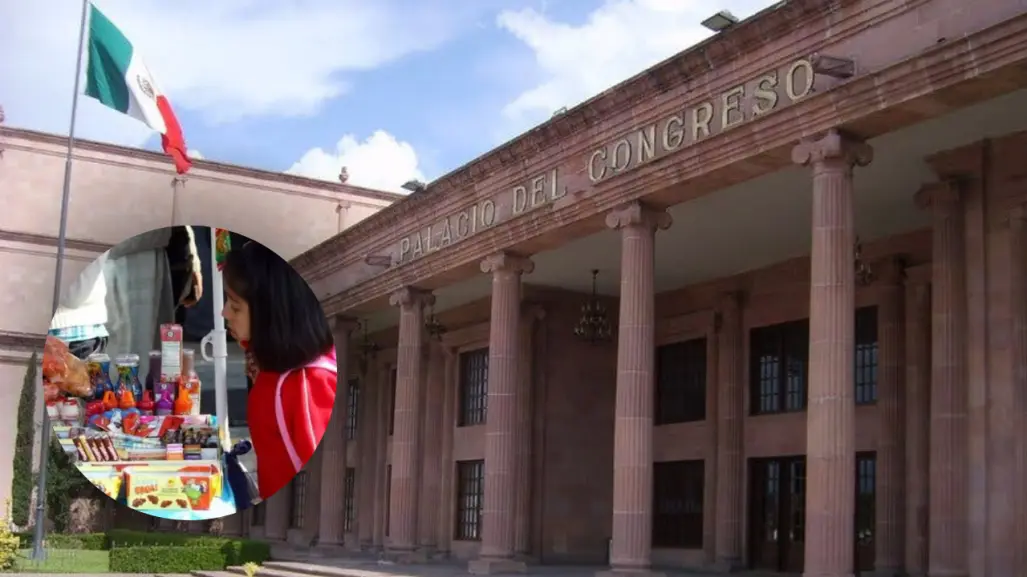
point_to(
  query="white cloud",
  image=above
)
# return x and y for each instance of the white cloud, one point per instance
(195, 154)
(228, 59)
(380, 162)
(616, 41)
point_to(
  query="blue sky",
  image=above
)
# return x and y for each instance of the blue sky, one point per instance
(392, 89)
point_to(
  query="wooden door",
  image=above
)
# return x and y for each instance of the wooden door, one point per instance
(777, 513)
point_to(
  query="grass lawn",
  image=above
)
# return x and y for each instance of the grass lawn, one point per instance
(63, 561)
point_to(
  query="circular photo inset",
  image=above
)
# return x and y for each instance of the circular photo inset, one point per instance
(189, 373)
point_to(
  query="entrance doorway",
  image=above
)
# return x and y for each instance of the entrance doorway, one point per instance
(777, 513)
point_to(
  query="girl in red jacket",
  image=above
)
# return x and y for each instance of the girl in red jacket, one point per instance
(275, 317)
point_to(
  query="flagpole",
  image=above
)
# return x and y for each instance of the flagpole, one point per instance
(44, 434)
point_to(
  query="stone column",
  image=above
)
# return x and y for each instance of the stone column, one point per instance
(730, 440)
(891, 458)
(498, 521)
(431, 468)
(525, 386)
(404, 491)
(276, 514)
(1018, 346)
(368, 453)
(831, 412)
(917, 420)
(447, 490)
(948, 473)
(631, 547)
(331, 521)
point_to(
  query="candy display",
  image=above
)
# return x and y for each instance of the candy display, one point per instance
(138, 438)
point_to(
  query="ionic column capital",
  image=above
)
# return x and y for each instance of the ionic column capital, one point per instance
(834, 146)
(507, 262)
(948, 192)
(636, 214)
(408, 297)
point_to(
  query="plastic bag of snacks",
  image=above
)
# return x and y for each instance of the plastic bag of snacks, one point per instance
(64, 370)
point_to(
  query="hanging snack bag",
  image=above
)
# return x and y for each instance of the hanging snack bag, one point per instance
(65, 370)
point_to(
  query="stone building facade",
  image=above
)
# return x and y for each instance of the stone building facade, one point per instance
(118, 193)
(809, 238)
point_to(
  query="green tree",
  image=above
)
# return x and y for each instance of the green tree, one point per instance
(64, 482)
(21, 486)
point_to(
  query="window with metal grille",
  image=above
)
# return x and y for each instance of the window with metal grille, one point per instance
(681, 382)
(678, 504)
(352, 408)
(474, 387)
(469, 499)
(388, 497)
(866, 355)
(299, 500)
(392, 400)
(259, 514)
(349, 510)
(778, 367)
(866, 493)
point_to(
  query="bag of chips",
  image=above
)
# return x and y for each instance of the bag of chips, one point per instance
(64, 370)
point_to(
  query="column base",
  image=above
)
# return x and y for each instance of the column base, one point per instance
(946, 573)
(405, 556)
(885, 573)
(727, 566)
(486, 566)
(330, 549)
(625, 572)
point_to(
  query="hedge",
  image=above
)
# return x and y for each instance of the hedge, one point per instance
(80, 541)
(155, 559)
(198, 554)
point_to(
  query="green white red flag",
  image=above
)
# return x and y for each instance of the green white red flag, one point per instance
(117, 76)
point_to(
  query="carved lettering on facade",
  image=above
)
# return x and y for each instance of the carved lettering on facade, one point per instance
(703, 119)
(538, 191)
(734, 106)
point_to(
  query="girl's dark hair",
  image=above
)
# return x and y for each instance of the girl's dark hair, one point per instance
(288, 328)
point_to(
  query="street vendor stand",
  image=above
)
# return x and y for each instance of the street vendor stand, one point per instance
(146, 444)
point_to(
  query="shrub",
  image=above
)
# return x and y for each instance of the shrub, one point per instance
(21, 487)
(158, 559)
(79, 541)
(64, 483)
(9, 542)
(176, 553)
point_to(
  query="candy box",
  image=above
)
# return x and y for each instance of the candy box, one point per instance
(159, 488)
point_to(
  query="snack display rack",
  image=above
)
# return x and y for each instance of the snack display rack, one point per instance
(144, 442)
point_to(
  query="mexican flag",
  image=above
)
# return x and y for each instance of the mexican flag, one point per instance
(119, 79)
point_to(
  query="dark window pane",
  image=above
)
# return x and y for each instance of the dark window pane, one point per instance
(352, 408)
(469, 499)
(392, 401)
(866, 491)
(778, 367)
(349, 510)
(866, 355)
(299, 500)
(681, 382)
(678, 504)
(474, 387)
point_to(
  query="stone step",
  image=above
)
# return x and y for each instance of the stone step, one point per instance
(316, 570)
(212, 574)
(267, 571)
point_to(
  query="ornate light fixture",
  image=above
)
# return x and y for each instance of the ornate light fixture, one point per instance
(864, 274)
(433, 325)
(367, 349)
(594, 324)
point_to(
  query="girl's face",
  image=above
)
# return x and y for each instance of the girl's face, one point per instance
(237, 316)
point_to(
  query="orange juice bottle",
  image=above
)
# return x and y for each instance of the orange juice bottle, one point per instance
(184, 403)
